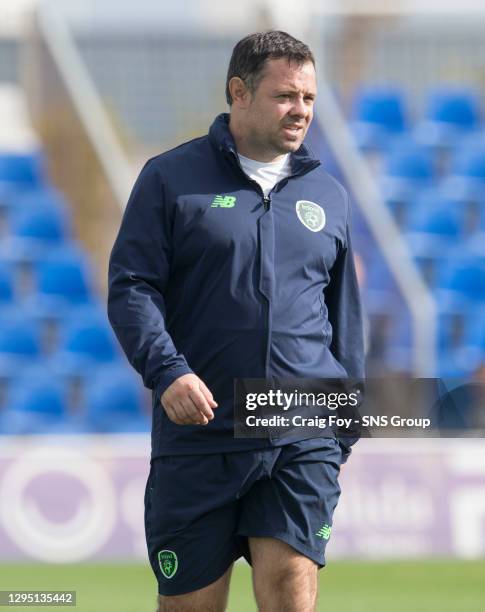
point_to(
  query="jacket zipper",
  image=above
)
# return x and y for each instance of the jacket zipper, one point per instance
(257, 186)
(267, 205)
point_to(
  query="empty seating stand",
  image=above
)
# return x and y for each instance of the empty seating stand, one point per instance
(431, 172)
(59, 361)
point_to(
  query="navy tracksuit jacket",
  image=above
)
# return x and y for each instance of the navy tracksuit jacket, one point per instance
(209, 276)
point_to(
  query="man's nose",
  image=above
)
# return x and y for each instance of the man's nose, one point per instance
(299, 107)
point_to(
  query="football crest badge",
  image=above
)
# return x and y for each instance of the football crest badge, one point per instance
(168, 562)
(311, 215)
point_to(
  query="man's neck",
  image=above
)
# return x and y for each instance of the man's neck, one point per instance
(247, 149)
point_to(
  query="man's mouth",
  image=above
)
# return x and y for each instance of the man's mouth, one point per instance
(293, 129)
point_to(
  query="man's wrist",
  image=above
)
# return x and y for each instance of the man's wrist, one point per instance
(167, 378)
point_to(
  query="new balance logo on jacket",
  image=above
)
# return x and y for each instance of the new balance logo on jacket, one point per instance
(221, 201)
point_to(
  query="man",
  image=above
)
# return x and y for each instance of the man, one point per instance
(234, 261)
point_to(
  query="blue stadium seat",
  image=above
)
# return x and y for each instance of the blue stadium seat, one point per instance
(34, 405)
(7, 284)
(115, 404)
(86, 343)
(8, 197)
(398, 352)
(461, 279)
(43, 396)
(440, 218)
(19, 342)
(467, 176)
(454, 364)
(408, 170)
(19, 337)
(65, 277)
(475, 245)
(475, 328)
(451, 113)
(464, 357)
(432, 212)
(470, 163)
(43, 196)
(378, 114)
(408, 160)
(44, 223)
(429, 252)
(14, 200)
(452, 325)
(90, 339)
(33, 233)
(23, 170)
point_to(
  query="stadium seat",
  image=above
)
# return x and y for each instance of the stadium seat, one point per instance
(467, 176)
(43, 196)
(33, 233)
(461, 279)
(408, 170)
(400, 208)
(378, 114)
(450, 113)
(115, 403)
(470, 163)
(475, 245)
(455, 364)
(432, 227)
(19, 337)
(8, 197)
(86, 342)
(429, 253)
(42, 396)
(398, 352)
(7, 284)
(90, 339)
(22, 170)
(439, 218)
(19, 342)
(44, 223)
(34, 405)
(452, 328)
(461, 361)
(64, 276)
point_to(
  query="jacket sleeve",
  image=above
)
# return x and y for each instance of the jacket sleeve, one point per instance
(342, 298)
(139, 269)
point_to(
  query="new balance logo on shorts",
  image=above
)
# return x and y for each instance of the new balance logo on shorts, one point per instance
(324, 532)
(221, 201)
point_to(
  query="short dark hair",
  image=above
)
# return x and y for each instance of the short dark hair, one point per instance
(250, 55)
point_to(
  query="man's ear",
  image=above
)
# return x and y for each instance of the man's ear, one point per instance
(240, 94)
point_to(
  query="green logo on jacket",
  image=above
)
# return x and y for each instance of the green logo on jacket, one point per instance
(221, 201)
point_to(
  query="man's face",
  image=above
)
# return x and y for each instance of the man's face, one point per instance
(281, 109)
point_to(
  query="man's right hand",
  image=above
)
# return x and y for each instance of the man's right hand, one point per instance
(188, 401)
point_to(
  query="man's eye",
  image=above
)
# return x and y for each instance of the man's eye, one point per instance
(283, 96)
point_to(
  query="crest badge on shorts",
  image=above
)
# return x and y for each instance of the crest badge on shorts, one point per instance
(168, 562)
(311, 215)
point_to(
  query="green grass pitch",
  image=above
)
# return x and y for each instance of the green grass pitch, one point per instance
(417, 586)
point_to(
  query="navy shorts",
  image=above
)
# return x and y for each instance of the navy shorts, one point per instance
(200, 509)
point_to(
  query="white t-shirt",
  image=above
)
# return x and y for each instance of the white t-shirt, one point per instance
(267, 174)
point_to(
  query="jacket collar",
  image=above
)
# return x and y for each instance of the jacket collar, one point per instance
(301, 160)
